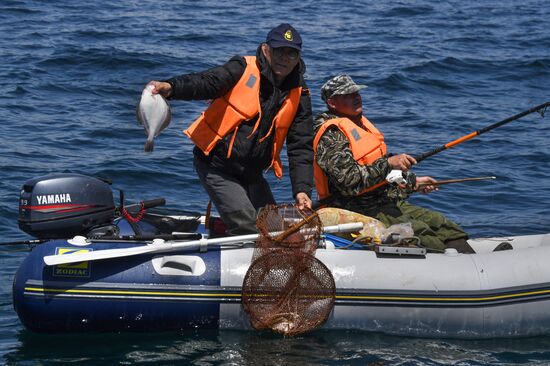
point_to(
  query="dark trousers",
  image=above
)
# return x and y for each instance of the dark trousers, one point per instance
(237, 200)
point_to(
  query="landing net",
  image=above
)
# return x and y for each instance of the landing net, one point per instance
(287, 289)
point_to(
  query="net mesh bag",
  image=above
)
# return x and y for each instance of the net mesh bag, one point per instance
(287, 289)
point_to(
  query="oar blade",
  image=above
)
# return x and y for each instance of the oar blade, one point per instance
(56, 259)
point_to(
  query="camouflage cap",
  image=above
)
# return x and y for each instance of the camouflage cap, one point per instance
(339, 85)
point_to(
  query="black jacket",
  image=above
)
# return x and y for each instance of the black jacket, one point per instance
(249, 158)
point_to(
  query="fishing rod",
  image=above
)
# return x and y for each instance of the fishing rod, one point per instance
(450, 181)
(540, 108)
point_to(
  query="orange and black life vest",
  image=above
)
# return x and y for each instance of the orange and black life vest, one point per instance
(366, 144)
(242, 103)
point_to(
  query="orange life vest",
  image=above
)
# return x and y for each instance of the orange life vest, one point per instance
(366, 144)
(242, 103)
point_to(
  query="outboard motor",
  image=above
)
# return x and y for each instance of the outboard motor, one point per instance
(64, 205)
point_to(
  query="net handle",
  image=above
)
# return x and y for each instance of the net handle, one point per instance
(294, 228)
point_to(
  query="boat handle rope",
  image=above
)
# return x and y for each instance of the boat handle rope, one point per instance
(128, 216)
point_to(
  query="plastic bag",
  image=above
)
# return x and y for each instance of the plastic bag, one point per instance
(397, 232)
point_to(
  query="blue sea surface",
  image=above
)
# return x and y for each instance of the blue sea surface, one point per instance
(71, 74)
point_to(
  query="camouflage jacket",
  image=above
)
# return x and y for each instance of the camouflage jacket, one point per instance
(347, 178)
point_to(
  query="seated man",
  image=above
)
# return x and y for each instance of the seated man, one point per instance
(351, 165)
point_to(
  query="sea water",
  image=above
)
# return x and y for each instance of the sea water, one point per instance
(71, 74)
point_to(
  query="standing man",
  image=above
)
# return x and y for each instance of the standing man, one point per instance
(258, 102)
(351, 165)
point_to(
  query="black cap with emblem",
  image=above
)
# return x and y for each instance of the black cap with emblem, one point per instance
(284, 35)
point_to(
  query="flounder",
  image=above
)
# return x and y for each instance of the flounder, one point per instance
(153, 112)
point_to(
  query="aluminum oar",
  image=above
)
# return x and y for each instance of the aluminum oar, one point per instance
(161, 247)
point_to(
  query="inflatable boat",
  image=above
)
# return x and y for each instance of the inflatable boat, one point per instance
(395, 291)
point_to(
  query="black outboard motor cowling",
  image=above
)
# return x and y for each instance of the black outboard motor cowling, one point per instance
(64, 205)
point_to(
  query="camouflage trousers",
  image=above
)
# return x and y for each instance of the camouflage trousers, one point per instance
(431, 227)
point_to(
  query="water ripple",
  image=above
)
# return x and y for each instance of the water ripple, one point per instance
(435, 70)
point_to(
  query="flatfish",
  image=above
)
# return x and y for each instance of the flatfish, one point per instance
(153, 112)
